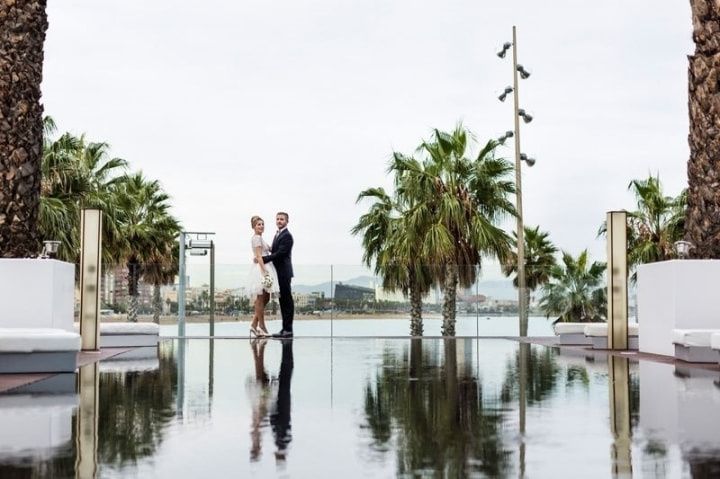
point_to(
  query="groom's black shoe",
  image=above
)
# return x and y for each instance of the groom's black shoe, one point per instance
(283, 334)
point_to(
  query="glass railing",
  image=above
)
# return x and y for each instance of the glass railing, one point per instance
(329, 300)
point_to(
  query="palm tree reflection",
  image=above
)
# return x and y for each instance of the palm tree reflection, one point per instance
(134, 409)
(439, 416)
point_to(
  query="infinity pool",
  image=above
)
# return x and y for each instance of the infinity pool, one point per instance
(364, 408)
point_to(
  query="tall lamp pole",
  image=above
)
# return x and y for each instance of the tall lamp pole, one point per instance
(518, 185)
(519, 158)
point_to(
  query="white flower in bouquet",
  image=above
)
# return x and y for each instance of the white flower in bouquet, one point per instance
(267, 281)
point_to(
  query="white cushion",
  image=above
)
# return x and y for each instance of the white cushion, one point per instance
(572, 328)
(601, 329)
(19, 340)
(126, 328)
(715, 340)
(693, 337)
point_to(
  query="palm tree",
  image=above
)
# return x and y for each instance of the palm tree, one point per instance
(163, 266)
(703, 205)
(655, 225)
(576, 291)
(387, 244)
(146, 227)
(78, 174)
(22, 35)
(455, 205)
(539, 260)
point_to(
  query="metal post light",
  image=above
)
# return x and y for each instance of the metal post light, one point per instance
(198, 246)
(682, 248)
(50, 249)
(519, 158)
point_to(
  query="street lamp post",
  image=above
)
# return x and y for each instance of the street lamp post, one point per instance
(198, 246)
(519, 158)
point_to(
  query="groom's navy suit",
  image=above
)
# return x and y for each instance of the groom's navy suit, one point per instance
(281, 258)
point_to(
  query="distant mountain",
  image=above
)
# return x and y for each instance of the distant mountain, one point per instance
(498, 289)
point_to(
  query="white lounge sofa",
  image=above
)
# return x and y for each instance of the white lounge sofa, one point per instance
(598, 334)
(572, 333)
(693, 345)
(124, 335)
(715, 343)
(38, 350)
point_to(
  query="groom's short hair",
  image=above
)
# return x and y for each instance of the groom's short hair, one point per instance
(287, 216)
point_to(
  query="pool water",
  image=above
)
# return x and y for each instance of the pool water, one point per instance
(315, 407)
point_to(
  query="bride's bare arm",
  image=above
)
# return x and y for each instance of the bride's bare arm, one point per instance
(259, 260)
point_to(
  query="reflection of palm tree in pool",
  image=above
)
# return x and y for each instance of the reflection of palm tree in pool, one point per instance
(134, 408)
(439, 415)
(540, 380)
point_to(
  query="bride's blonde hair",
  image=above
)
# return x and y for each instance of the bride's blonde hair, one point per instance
(254, 220)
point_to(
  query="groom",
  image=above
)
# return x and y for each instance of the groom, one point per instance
(281, 258)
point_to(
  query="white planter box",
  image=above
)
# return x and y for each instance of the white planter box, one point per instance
(678, 294)
(36, 293)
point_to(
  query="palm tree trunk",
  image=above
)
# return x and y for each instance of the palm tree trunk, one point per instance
(22, 34)
(524, 308)
(133, 309)
(133, 281)
(450, 283)
(157, 304)
(703, 210)
(416, 321)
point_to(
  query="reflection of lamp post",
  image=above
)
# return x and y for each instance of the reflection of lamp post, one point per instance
(619, 386)
(519, 157)
(682, 248)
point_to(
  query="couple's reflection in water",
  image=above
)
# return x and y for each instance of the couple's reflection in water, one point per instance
(270, 400)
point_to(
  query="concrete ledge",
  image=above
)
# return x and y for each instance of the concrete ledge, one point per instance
(601, 342)
(696, 354)
(127, 335)
(39, 362)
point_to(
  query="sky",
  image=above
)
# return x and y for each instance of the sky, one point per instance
(252, 107)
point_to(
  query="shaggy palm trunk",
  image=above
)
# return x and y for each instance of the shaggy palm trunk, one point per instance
(703, 211)
(22, 33)
(133, 309)
(416, 321)
(157, 304)
(133, 283)
(450, 283)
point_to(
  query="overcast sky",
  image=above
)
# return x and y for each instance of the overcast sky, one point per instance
(250, 107)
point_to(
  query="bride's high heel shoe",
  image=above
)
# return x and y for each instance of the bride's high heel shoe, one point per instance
(262, 333)
(254, 331)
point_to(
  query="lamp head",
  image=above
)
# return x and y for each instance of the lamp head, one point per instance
(682, 248)
(505, 93)
(506, 46)
(524, 74)
(529, 161)
(50, 249)
(527, 118)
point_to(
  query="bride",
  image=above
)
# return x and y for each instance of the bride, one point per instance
(263, 280)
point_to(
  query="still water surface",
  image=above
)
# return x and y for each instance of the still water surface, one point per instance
(365, 408)
(465, 326)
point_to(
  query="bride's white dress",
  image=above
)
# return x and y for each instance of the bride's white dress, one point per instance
(254, 282)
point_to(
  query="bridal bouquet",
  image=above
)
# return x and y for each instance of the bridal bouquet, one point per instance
(267, 281)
